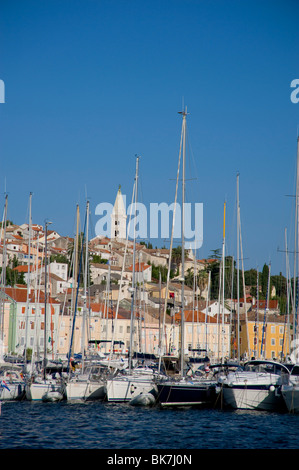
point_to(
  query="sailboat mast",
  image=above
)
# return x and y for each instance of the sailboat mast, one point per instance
(3, 274)
(75, 271)
(85, 286)
(184, 114)
(238, 270)
(206, 316)
(256, 325)
(46, 280)
(263, 345)
(28, 277)
(133, 271)
(285, 342)
(296, 250)
(223, 278)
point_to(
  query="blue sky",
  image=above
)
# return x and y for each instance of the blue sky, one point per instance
(91, 83)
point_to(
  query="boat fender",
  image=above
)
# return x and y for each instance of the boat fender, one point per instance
(271, 388)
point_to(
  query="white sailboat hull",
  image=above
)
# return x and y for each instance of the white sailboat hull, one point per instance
(85, 390)
(251, 399)
(252, 392)
(290, 395)
(124, 389)
(258, 387)
(13, 392)
(38, 391)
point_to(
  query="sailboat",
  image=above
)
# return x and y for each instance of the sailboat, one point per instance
(12, 383)
(88, 384)
(290, 389)
(40, 387)
(257, 387)
(132, 384)
(185, 390)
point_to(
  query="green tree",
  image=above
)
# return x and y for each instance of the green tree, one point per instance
(264, 281)
(156, 270)
(98, 259)
(59, 258)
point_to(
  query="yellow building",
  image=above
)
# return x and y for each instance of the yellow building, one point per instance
(268, 336)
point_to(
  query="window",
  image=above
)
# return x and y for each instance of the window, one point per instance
(121, 329)
(273, 329)
(128, 329)
(272, 341)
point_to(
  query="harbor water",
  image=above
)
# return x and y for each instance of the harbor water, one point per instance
(102, 425)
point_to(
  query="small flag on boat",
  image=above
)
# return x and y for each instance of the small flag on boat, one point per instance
(4, 385)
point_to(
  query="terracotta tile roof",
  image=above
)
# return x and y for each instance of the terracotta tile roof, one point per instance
(18, 237)
(20, 295)
(273, 304)
(99, 307)
(24, 269)
(189, 317)
(139, 267)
